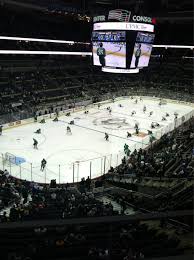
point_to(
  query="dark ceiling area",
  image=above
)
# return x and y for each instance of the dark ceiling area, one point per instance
(71, 20)
(90, 7)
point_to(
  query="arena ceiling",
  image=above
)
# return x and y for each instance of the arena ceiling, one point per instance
(183, 8)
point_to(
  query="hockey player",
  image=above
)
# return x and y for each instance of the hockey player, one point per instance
(137, 130)
(68, 114)
(133, 113)
(167, 115)
(175, 115)
(151, 113)
(141, 99)
(43, 164)
(55, 119)
(35, 144)
(106, 137)
(38, 131)
(71, 122)
(43, 121)
(1, 129)
(56, 112)
(120, 105)
(110, 111)
(101, 53)
(98, 106)
(129, 135)
(86, 112)
(144, 109)
(35, 118)
(164, 118)
(69, 130)
(136, 101)
(152, 125)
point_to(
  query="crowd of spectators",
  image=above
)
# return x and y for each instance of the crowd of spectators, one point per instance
(27, 91)
(30, 201)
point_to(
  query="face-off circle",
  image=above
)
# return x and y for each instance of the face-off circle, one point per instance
(116, 123)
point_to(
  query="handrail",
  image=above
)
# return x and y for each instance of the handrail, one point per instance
(96, 220)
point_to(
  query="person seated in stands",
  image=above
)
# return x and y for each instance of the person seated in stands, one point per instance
(164, 118)
(71, 122)
(111, 170)
(38, 131)
(68, 114)
(43, 121)
(55, 119)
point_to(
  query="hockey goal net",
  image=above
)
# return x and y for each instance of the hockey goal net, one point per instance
(9, 159)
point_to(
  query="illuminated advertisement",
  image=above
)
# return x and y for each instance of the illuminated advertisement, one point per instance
(124, 26)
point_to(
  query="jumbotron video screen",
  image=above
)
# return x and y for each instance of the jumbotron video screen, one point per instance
(109, 49)
(142, 50)
(122, 43)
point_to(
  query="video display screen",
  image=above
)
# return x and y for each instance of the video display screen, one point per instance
(109, 36)
(145, 37)
(111, 54)
(141, 55)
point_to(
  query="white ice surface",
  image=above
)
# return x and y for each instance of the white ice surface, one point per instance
(84, 152)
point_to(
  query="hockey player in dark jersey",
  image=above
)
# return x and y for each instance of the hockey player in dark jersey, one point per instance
(133, 113)
(151, 113)
(35, 144)
(43, 121)
(55, 119)
(43, 164)
(144, 109)
(129, 135)
(137, 55)
(106, 137)
(101, 52)
(69, 130)
(38, 131)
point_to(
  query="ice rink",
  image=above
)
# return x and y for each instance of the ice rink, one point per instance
(86, 152)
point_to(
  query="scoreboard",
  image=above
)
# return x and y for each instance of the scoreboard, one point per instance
(120, 43)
